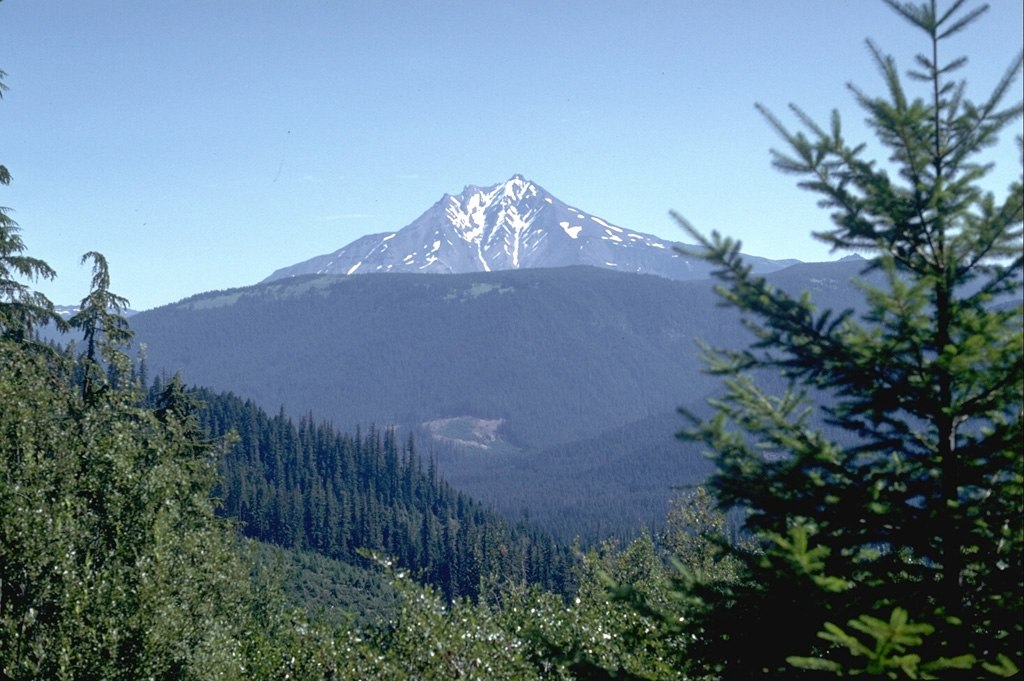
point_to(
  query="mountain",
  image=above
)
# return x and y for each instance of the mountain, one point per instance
(510, 377)
(513, 225)
(554, 353)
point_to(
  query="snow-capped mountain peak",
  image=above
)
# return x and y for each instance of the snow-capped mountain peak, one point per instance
(510, 225)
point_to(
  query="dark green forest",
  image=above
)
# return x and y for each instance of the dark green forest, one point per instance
(560, 354)
(584, 368)
(312, 488)
(611, 485)
(863, 512)
(533, 347)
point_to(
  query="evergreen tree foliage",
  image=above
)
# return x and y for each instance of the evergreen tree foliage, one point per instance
(698, 537)
(310, 487)
(112, 561)
(22, 310)
(104, 329)
(900, 553)
(100, 315)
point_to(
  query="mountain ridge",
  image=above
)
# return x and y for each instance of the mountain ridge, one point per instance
(530, 362)
(516, 224)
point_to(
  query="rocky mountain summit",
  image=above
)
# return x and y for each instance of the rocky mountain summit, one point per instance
(516, 224)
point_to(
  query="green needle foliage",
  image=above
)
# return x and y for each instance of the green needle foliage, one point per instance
(914, 513)
(21, 308)
(112, 562)
(104, 329)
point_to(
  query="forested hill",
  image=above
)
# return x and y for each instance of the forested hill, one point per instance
(610, 485)
(556, 355)
(577, 371)
(308, 486)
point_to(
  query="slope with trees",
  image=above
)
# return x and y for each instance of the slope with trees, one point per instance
(310, 487)
(559, 354)
(581, 366)
(112, 561)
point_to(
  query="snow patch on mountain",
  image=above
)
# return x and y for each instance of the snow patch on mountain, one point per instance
(572, 231)
(510, 225)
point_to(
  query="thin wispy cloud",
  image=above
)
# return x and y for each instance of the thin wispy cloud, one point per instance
(343, 216)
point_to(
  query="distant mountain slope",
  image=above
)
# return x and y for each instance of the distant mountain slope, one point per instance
(69, 311)
(556, 354)
(610, 484)
(512, 225)
(568, 377)
(302, 485)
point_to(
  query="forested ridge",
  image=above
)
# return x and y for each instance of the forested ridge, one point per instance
(558, 354)
(310, 487)
(531, 347)
(581, 368)
(613, 484)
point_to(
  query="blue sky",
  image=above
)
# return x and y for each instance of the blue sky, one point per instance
(202, 144)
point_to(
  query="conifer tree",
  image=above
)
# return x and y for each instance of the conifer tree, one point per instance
(100, 313)
(898, 548)
(22, 309)
(100, 320)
